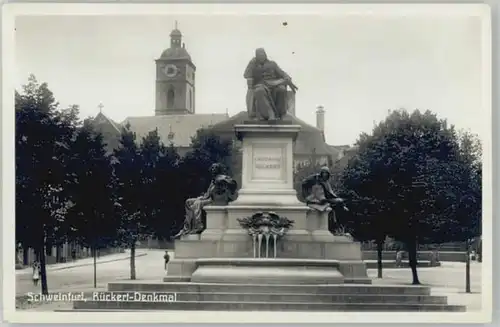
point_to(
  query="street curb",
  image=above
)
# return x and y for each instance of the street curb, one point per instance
(91, 263)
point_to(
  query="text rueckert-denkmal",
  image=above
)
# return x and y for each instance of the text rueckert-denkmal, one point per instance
(135, 296)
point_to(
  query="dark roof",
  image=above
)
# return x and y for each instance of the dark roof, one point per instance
(309, 140)
(101, 119)
(177, 129)
(180, 127)
(338, 151)
(109, 129)
(179, 53)
(341, 147)
(347, 156)
(175, 32)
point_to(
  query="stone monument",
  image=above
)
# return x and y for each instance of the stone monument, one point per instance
(267, 187)
(264, 249)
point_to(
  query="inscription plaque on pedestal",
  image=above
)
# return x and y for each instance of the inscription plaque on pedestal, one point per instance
(268, 163)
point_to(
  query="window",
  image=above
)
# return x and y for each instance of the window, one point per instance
(170, 98)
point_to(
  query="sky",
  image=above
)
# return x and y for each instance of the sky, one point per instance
(357, 67)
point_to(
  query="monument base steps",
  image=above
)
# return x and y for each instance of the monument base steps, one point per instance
(268, 297)
(267, 271)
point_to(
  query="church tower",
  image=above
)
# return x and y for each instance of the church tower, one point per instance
(175, 79)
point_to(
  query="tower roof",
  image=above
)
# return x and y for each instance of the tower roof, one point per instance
(175, 53)
(175, 32)
(177, 50)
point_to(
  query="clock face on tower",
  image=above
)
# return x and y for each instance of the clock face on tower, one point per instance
(170, 70)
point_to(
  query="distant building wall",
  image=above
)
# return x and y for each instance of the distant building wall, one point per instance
(63, 253)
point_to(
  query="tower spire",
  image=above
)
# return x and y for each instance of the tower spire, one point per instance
(175, 37)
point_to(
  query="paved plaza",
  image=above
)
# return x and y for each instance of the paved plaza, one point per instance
(79, 275)
(449, 279)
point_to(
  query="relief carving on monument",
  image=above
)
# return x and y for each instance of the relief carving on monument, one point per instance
(221, 191)
(265, 227)
(267, 97)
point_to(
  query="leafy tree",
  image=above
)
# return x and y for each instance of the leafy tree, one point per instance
(150, 150)
(90, 221)
(160, 183)
(367, 221)
(207, 148)
(464, 195)
(170, 200)
(468, 185)
(128, 168)
(210, 147)
(43, 138)
(405, 179)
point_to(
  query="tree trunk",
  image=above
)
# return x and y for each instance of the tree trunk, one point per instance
(467, 267)
(95, 267)
(412, 258)
(380, 246)
(25, 255)
(43, 270)
(48, 248)
(132, 261)
(480, 251)
(58, 253)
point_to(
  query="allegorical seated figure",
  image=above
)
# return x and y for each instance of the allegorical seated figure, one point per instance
(221, 191)
(267, 88)
(319, 195)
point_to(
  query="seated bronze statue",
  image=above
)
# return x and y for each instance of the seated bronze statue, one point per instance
(318, 195)
(221, 191)
(267, 88)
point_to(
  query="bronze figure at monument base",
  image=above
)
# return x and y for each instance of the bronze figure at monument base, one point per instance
(221, 191)
(319, 195)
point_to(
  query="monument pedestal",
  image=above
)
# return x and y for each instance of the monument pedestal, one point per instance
(267, 166)
(267, 186)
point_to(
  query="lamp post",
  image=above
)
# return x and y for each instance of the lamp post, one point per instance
(467, 266)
